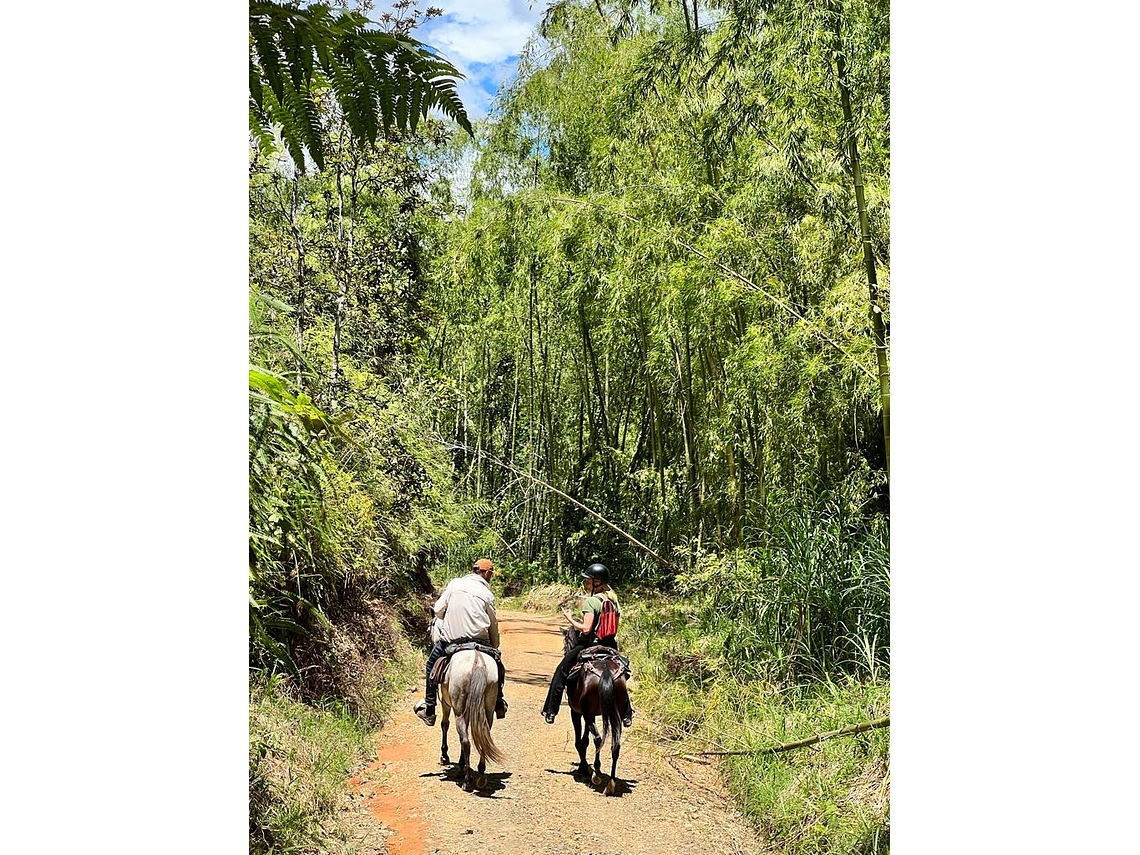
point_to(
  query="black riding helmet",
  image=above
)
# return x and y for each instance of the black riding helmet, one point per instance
(597, 571)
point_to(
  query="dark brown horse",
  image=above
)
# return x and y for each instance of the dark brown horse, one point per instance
(599, 690)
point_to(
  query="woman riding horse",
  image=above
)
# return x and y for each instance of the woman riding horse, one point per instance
(597, 577)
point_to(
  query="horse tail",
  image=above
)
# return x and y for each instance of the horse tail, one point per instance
(608, 703)
(475, 711)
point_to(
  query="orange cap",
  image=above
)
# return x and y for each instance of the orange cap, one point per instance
(483, 565)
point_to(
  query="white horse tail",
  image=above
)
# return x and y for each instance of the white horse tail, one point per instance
(475, 711)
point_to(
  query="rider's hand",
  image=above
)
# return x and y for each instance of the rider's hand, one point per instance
(569, 616)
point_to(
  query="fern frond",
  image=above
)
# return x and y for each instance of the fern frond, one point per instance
(268, 62)
(264, 137)
(378, 79)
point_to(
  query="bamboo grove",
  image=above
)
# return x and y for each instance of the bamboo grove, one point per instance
(663, 292)
(671, 291)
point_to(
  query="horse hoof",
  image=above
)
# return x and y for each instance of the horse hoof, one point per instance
(596, 779)
(610, 787)
(443, 761)
(482, 782)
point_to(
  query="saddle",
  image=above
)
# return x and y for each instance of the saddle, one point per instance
(595, 658)
(439, 669)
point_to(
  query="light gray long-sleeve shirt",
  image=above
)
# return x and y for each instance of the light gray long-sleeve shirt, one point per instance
(466, 609)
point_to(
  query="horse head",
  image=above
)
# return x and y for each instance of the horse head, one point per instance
(570, 636)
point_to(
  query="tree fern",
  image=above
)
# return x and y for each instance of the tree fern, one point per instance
(296, 53)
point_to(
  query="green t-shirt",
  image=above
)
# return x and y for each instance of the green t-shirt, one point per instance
(594, 604)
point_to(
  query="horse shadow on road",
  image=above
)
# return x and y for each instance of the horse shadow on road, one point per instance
(622, 786)
(530, 678)
(496, 781)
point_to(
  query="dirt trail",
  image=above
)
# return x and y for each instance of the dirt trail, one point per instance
(534, 804)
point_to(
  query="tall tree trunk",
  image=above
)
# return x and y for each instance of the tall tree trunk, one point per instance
(339, 271)
(299, 238)
(683, 402)
(588, 343)
(865, 237)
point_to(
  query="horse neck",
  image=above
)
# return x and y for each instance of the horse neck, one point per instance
(570, 638)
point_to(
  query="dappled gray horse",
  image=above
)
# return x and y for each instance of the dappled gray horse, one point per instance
(471, 688)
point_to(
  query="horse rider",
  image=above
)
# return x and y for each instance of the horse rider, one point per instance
(465, 611)
(596, 581)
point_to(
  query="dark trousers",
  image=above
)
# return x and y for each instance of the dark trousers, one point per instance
(558, 681)
(430, 693)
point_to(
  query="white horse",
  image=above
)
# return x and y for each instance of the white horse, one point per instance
(471, 688)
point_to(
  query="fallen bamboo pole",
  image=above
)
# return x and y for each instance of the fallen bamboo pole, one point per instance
(776, 749)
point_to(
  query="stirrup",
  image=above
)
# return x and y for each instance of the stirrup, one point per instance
(421, 711)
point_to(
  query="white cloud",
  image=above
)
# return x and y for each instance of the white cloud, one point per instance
(481, 42)
(483, 39)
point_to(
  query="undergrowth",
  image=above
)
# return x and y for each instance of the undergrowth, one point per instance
(301, 752)
(832, 797)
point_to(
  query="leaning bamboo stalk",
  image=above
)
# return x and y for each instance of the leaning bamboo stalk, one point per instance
(453, 446)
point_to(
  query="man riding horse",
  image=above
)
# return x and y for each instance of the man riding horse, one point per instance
(464, 612)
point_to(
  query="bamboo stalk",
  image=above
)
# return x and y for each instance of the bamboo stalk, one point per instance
(454, 446)
(776, 749)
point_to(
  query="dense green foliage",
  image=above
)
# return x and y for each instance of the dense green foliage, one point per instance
(657, 300)
(348, 498)
(655, 296)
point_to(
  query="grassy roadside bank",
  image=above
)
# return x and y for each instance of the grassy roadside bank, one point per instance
(302, 749)
(833, 797)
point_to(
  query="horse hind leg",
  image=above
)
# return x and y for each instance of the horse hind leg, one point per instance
(615, 750)
(481, 780)
(597, 776)
(464, 767)
(581, 737)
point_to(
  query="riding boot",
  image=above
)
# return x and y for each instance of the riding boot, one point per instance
(501, 703)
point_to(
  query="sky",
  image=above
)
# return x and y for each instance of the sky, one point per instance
(483, 39)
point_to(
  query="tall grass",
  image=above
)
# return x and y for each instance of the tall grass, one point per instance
(299, 758)
(771, 645)
(813, 600)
